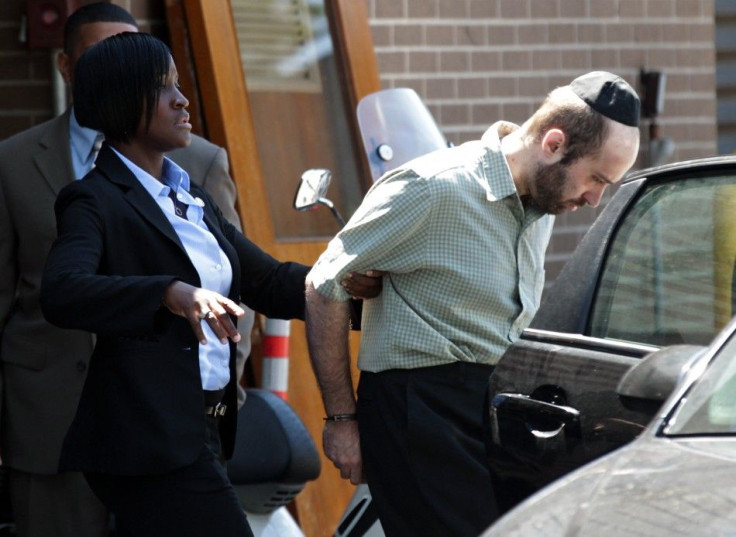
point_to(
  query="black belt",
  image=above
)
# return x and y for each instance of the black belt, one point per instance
(213, 403)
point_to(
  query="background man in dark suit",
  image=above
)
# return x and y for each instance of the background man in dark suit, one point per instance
(44, 367)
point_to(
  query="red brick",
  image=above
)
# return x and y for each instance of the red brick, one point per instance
(603, 9)
(517, 112)
(488, 60)
(483, 9)
(546, 59)
(697, 107)
(534, 87)
(632, 8)
(634, 57)
(574, 9)
(13, 124)
(441, 35)
(41, 67)
(27, 96)
(454, 114)
(546, 9)
(383, 36)
(702, 82)
(514, 9)
(606, 59)
(391, 62)
(470, 88)
(699, 58)
(454, 61)
(501, 35)
(503, 86)
(475, 35)
(648, 33)
(562, 33)
(485, 114)
(441, 88)
(9, 39)
(619, 33)
(517, 60)
(689, 8)
(453, 9)
(576, 59)
(423, 61)
(389, 9)
(15, 67)
(662, 58)
(590, 32)
(409, 35)
(533, 34)
(422, 9)
(702, 33)
(660, 8)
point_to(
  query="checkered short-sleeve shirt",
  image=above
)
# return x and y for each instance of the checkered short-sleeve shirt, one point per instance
(465, 259)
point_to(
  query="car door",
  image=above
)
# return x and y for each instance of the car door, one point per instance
(655, 269)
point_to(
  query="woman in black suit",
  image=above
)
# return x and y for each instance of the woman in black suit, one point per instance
(158, 280)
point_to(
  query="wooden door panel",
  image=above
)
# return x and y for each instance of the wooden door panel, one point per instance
(264, 165)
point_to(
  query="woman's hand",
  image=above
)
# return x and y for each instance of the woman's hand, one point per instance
(364, 286)
(199, 305)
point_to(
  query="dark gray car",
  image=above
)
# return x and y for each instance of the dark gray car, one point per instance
(654, 273)
(677, 479)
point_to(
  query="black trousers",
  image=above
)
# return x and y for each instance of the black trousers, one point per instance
(424, 457)
(194, 501)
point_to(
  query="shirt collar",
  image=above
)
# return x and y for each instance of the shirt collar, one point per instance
(82, 138)
(495, 167)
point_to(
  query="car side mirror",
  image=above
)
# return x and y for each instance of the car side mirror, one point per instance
(654, 378)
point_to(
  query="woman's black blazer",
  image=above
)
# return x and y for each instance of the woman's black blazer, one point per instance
(141, 410)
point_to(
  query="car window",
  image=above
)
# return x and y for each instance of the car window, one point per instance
(710, 405)
(669, 273)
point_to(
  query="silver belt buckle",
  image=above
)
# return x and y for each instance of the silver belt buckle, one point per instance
(219, 410)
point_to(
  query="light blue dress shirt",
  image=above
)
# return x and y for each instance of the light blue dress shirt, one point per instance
(82, 141)
(213, 266)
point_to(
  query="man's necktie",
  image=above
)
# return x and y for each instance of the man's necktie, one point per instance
(180, 208)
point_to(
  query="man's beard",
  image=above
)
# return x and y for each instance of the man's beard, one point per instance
(547, 188)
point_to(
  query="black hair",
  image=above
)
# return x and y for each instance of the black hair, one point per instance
(117, 83)
(97, 12)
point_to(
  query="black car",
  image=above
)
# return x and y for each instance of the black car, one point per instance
(678, 478)
(654, 273)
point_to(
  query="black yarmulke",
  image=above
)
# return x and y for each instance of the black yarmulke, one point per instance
(609, 95)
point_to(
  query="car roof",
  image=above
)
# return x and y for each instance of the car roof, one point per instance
(700, 163)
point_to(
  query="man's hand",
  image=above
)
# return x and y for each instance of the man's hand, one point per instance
(199, 305)
(364, 286)
(342, 446)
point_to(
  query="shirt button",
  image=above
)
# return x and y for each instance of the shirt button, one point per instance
(81, 366)
(218, 267)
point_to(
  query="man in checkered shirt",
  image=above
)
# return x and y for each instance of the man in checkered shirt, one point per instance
(461, 234)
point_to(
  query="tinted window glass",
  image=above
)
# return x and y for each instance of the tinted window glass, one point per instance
(710, 406)
(669, 274)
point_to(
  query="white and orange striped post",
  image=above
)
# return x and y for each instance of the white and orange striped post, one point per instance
(275, 375)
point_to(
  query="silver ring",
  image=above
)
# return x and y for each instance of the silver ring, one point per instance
(210, 315)
(204, 314)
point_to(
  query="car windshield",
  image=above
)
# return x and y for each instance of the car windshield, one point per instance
(709, 407)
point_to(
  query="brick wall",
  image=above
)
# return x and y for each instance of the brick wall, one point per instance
(476, 61)
(25, 75)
